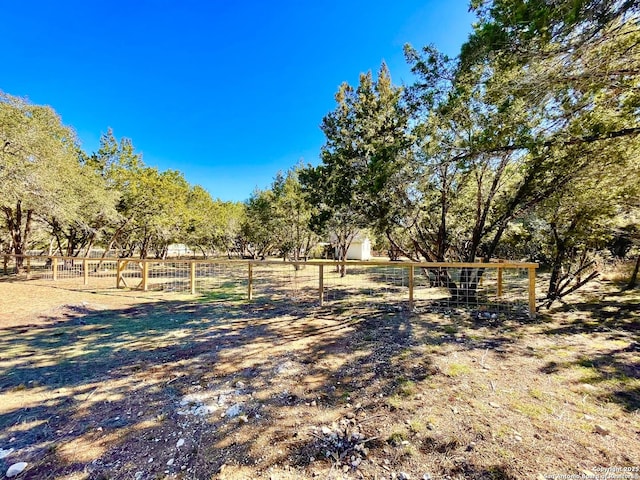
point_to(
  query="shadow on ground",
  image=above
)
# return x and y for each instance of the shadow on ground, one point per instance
(91, 391)
(110, 393)
(615, 318)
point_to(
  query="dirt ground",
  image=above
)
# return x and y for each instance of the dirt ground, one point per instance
(112, 384)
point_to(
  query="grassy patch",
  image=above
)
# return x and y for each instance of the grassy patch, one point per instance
(397, 437)
(457, 369)
(531, 410)
(406, 387)
(225, 292)
(396, 402)
(536, 393)
(416, 425)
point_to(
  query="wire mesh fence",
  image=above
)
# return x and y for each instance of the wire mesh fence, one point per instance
(221, 281)
(486, 289)
(366, 283)
(294, 282)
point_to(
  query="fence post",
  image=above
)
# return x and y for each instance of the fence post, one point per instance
(250, 282)
(532, 292)
(85, 271)
(411, 284)
(6, 265)
(192, 277)
(54, 268)
(499, 282)
(118, 273)
(321, 284)
(145, 275)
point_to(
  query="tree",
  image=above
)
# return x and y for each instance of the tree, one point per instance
(199, 231)
(442, 198)
(227, 219)
(580, 219)
(91, 210)
(152, 205)
(335, 213)
(212, 225)
(292, 213)
(38, 168)
(502, 132)
(160, 205)
(278, 218)
(578, 64)
(365, 141)
(259, 224)
(117, 163)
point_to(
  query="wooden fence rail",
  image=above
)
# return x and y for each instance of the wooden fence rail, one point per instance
(128, 269)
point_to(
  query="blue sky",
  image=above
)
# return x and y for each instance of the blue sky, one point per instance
(227, 92)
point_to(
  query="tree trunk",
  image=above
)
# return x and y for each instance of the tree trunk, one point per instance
(18, 233)
(554, 280)
(633, 281)
(467, 290)
(112, 242)
(146, 238)
(342, 258)
(441, 278)
(556, 265)
(87, 252)
(56, 234)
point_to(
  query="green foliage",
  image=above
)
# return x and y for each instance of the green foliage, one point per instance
(55, 193)
(155, 208)
(38, 168)
(212, 225)
(279, 219)
(292, 213)
(363, 154)
(531, 135)
(259, 223)
(575, 67)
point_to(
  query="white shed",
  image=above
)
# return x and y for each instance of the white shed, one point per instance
(360, 248)
(178, 250)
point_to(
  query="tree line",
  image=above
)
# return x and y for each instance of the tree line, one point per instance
(56, 197)
(523, 146)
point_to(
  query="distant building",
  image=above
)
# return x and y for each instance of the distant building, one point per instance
(360, 248)
(178, 250)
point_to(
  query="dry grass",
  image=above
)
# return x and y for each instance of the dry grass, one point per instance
(619, 273)
(103, 385)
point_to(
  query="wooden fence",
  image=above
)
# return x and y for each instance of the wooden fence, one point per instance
(500, 283)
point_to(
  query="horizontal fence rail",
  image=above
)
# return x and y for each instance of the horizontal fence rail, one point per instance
(487, 288)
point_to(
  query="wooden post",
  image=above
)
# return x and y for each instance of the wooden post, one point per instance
(54, 267)
(499, 282)
(118, 272)
(250, 283)
(6, 265)
(85, 271)
(321, 284)
(532, 292)
(411, 285)
(145, 275)
(122, 264)
(192, 277)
